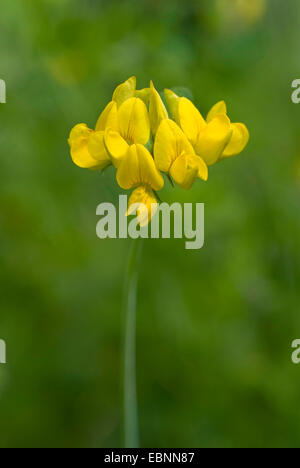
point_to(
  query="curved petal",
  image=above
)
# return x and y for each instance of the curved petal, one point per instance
(170, 143)
(108, 118)
(219, 108)
(98, 150)
(78, 141)
(190, 119)
(183, 172)
(124, 91)
(238, 142)
(133, 120)
(157, 110)
(79, 131)
(116, 146)
(173, 102)
(143, 94)
(213, 140)
(144, 197)
(138, 167)
(201, 166)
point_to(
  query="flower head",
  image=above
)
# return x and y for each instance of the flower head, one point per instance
(183, 147)
(214, 138)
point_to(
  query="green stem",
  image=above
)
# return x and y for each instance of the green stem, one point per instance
(131, 431)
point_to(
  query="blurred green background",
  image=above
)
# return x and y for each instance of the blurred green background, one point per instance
(215, 326)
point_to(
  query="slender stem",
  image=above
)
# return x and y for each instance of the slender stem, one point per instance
(131, 431)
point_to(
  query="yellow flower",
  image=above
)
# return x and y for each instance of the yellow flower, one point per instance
(183, 147)
(128, 90)
(209, 139)
(174, 154)
(157, 109)
(144, 198)
(128, 120)
(87, 146)
(137, 169)
(172, 101)
(240, 133)
(124, 91)
(133, 127)
(143, 94)
(108, 118)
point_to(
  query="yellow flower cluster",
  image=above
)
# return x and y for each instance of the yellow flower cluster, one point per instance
(184, 143)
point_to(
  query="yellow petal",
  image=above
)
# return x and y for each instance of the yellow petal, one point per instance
(143, 94)
(133, 120)
(173, 102)
(170, 143)
(190, 119)
(144, 197)
(183, 173)
(213, 140)
(78, 141)
(108, 118)
(238, 142)
(116, 146)
(79, 131)
(124, 91)
(201, 165)
(98, 150)
(157, 110)
(138, 167)
(219, 108)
